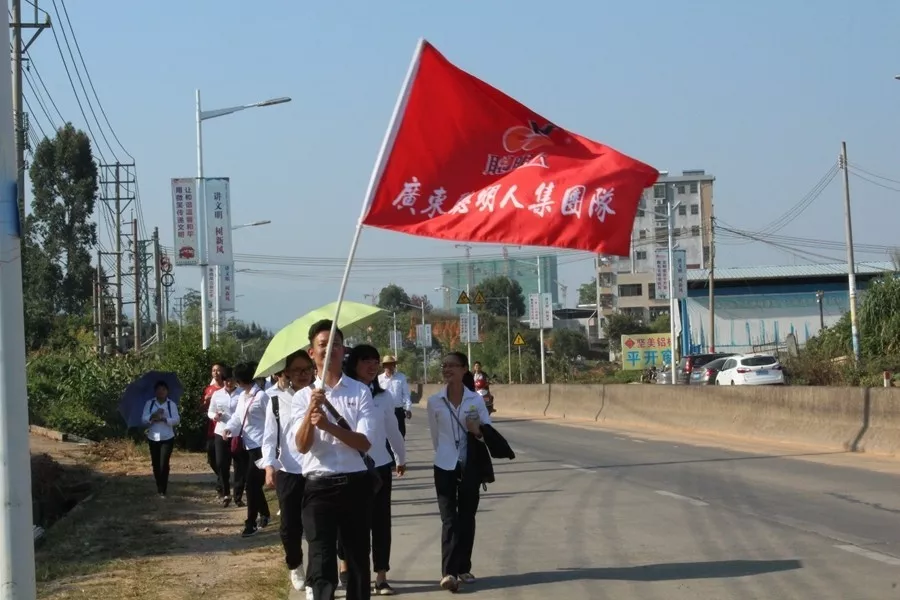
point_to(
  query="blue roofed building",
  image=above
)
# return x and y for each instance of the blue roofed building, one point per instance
(760, 306)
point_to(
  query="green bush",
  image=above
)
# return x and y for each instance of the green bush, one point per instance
(78, 392)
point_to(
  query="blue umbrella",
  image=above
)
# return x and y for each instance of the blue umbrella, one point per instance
(135, 396)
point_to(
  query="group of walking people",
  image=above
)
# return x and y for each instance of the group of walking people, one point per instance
(330, 441)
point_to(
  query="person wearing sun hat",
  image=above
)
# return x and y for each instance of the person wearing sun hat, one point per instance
(393, 381)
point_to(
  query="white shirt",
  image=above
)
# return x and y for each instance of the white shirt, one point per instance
(287, 459)
(161, 431)
(225, 403)
(255, 424)
(447, 436)
(397, 385)
(353, 400)
(386, 429)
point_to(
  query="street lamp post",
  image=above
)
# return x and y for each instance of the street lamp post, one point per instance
(217, 312)
(424, 348)
(203, 115)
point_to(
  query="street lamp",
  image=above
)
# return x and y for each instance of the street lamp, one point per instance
(217, 312)
(204, 115)
(424, 348)
(540, 314)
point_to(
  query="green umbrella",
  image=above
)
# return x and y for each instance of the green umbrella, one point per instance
(296, 335)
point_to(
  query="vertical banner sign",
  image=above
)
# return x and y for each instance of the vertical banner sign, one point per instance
(662, 274)
(218, 221)
(474, 335)
(547, 310)
(464, 328)
(423, 335)
(226, 288)
(210, 290)
(184, 211)
(534, 311)
(681, 283)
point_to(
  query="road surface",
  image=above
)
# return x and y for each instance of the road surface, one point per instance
(593, 514)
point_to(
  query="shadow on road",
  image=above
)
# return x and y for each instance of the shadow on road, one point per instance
(723, 569)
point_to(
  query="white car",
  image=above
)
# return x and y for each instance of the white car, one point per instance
(751, 369)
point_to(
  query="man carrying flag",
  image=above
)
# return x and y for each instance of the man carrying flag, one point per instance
(463, 161)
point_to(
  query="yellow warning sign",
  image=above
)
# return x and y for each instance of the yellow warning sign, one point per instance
(519, 341)
(479, 298)
(463, 298)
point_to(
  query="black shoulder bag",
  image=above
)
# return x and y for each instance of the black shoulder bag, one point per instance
(370, 464)
(273, 401)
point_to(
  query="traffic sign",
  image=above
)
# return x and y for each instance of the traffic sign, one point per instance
(519, 341)
(463, 298)
(479, 298)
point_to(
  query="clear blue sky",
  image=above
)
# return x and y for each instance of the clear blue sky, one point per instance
(759, 94)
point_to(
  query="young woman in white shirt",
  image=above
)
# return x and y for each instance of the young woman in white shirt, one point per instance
(363, 364)
(161, 416)
(249, 423)
(454, 413)
(222, 405)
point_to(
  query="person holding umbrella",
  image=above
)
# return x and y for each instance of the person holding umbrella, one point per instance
(161, 416)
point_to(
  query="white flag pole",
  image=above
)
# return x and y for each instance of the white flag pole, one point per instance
(16, 535)
(386, 146)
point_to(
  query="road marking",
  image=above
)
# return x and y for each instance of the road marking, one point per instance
(884, 558)
(621, 439)
(638, 441)
(687, 499)
(577, 468)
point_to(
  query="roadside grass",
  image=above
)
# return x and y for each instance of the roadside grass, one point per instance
(126, 543)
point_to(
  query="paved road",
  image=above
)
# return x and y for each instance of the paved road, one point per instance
(591, 514)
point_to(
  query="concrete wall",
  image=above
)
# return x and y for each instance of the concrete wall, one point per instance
(854, 419)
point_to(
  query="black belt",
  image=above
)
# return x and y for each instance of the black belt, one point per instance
(327, 478)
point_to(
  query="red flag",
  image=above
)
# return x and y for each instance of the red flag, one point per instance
(469, 163)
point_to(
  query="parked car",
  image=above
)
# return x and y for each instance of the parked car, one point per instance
(687, 364)
(751, 369)
(706, 374)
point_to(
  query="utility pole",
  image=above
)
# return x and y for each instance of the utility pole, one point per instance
(712, 284)
(21, 130)
(820, 295)
(541, 322)
(118, 221)
(671, 205)
(157, 289)
(101, 306)
(117, 193)
(851, 262)
(136, 244)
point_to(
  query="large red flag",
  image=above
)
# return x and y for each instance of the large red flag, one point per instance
(469, 163)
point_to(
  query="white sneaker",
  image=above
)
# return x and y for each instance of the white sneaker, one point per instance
(297, 580)
(309, 594)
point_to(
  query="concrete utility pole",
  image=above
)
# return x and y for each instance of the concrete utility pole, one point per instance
(712, 284)
(136, 244)
(21, 132)
(157, 289)
(851, 262)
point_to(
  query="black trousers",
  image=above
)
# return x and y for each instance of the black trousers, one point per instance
(458, 502)
(223, 465)
(257, 505)
(401, 420)
(338, 509)
(241, 462)
(290, 488)
(160, 454)
(381, 523)
(213, 462)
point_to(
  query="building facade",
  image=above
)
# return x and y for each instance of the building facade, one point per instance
(760, 306)
(628, 284)
(456, 275)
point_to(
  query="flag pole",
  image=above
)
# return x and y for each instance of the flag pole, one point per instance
(17, 581)
(384, 152)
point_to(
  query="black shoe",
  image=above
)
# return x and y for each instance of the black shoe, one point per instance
(249, 530)
(263, 522)
(344, 577)
(239, 503)
(226, 501)
(383, 589)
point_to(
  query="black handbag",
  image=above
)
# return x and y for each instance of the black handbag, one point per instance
(371, 470)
